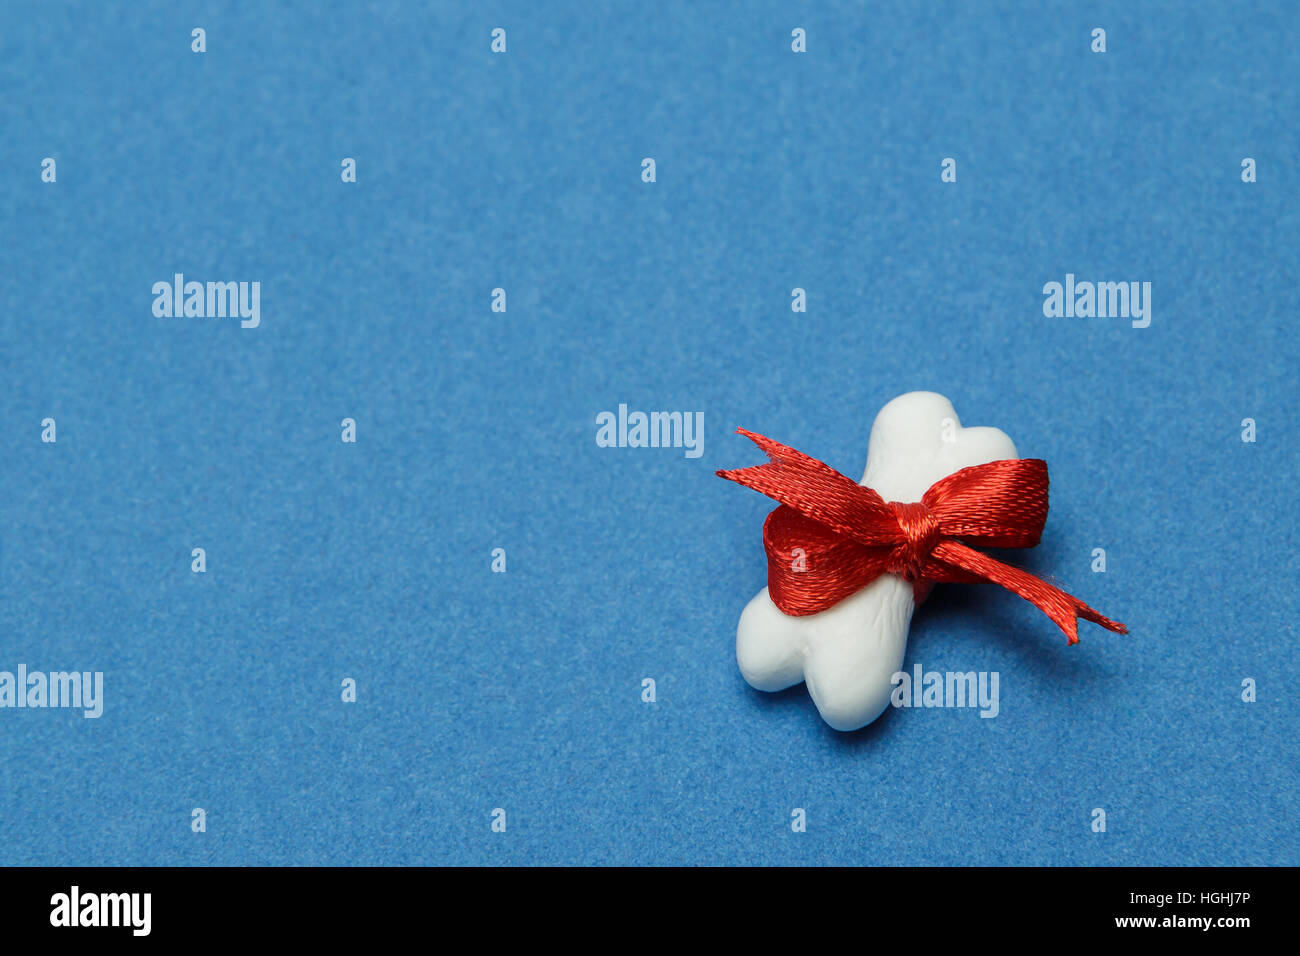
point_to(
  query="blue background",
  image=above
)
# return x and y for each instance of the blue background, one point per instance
(476, 430)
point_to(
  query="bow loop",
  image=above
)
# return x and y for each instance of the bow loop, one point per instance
(1001, 504)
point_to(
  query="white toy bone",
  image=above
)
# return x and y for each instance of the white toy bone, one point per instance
(849, 653)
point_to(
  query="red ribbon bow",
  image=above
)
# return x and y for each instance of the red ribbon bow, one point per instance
(850, 536)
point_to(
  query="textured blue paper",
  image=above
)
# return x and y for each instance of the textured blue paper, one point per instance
(476, 430)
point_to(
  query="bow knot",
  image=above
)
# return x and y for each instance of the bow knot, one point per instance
(920, 532)
(850, 535)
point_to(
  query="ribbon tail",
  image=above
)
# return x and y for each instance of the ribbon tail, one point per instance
(818, 491)
(1064, 609)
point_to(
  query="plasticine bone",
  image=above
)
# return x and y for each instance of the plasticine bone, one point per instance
(849, 653)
